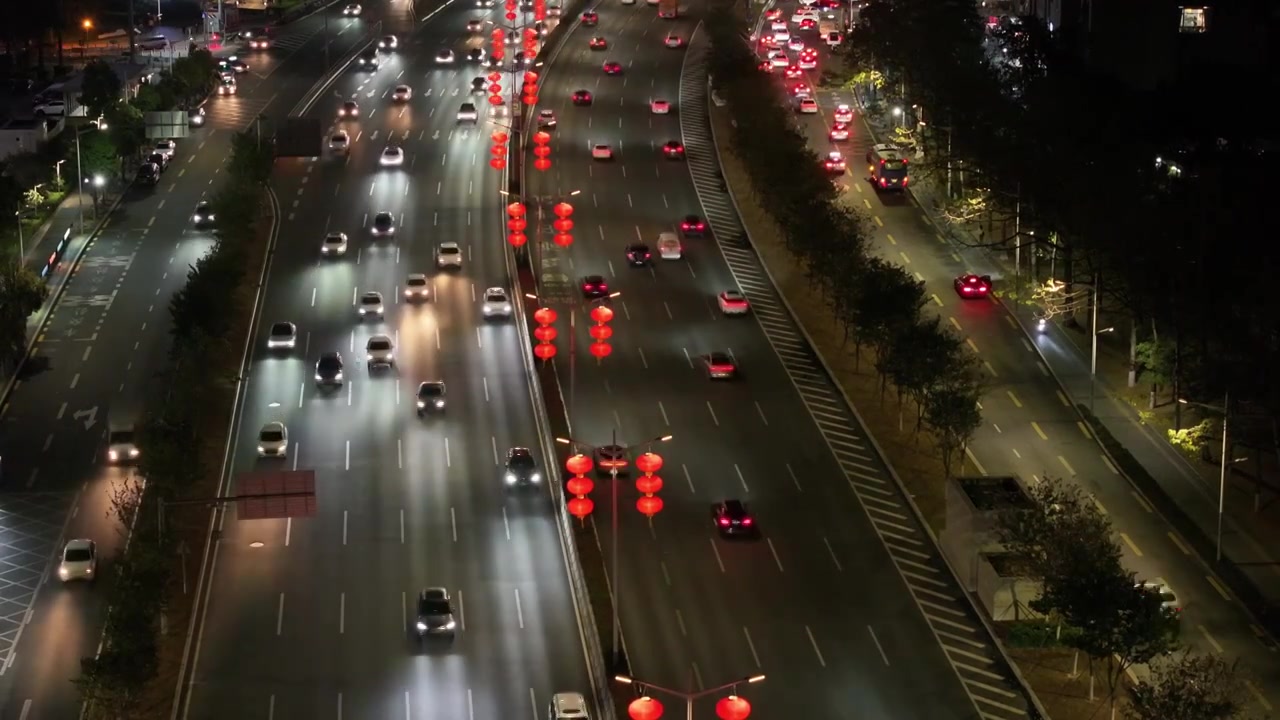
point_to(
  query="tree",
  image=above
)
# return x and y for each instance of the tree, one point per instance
(920, 356)
(1120, 622)
(951, 412)
(21, 293)
(1061, 530)
(98, 155)
(1189, 687)
(101, 89)
(251, 160)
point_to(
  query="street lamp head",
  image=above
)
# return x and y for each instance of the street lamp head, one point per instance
(575, 192)
(531, 296)
(623, 679)
(98, 181)
(564, 441)
(87, 24)
(897, 110)
(1106, 330)
(665, 438)
(756, 678)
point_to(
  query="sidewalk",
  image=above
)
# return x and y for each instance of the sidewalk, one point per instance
(53, 251)
(1184, 492)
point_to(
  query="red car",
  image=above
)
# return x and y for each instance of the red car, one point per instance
(766, 67)
(693, 226)
(612, 68)
(581, 97)
(774, 14)
(598, 43)
(792, 72)
(839, 132)
(973, 287)
(590, 19)
(801, 90)
(674, 150)
(808, 24)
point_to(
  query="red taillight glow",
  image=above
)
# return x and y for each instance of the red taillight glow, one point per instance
(746, 521)
(724, 522)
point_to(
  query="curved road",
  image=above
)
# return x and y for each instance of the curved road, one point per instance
(843, 602)
(315, 622)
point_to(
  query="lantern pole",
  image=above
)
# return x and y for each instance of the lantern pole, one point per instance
(643, 686)
(615, 569)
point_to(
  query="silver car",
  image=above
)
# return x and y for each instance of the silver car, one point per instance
(416, 287)
(496, 303)
(371, 305)
(449, 255)
(334, 245)
(380, 352)
(283, 336)
(435, 614)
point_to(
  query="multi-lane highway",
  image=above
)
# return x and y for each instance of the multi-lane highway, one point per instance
(843, 602)
(1031, 428)
(104, 342)
(314, 618)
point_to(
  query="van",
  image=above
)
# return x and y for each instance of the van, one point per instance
(567, 706)
(887, 167)
(154, 42)
(122, 443)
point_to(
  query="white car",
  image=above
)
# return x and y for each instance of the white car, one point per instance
(807, 106)
(496, 303)
(402, 93)
(370, 305)
(669, 246)
(795, 44)
(779, 59)
(659, 107)
(673, 41)
(416, 287)
(273, 440)
(781, 36)
(352, 10)
(842, 114)
(733, 302)
(467, 112)
(340, 141)
(546, 118)
(379, 351)
(449, 255)
(444, 57)
(283, 336)
(166, 148)
(601, 152)
(392, 156)
(834, 39)
(628, 2)
(803, 13)
(475, 26)
(335, 244)
(777, 25)
(54, 108)
(807, 62)
(568, 706)
(227, 86)
(79, 561)
(388, 42)
(122, 445)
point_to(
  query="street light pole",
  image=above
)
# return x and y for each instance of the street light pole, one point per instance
(1222, 473)
(79, 184)
(688, 696)
(22, 252)
(1093, 344)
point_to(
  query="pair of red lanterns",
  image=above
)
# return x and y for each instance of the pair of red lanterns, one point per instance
(579, 486)
(601, 332)
(545, 333)
(727, 708)
(649, 484)
(499, 159)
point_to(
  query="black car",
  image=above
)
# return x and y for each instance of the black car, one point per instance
(478, 85)
(329, 369)
(732, 519)
(160, 160)
(476, 55)
(430, 397)
(149, 174)
(521, 468)
(203, 215)
(610, 458)
(693, 226)
(369, 60)
(594, 286)
(638, 255)
(435, 614)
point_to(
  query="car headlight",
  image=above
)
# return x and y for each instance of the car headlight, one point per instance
(422, 627)
(535, 477)
(439, 403)
(488, 310)
(133, 452)
(63, 573)
(318, 377)
(506, 308)
(369, 358)
(450, 625)
(362, 311)
(113, 455)
(261, 449)
(421, 404)
(337, 376)
(511, 479)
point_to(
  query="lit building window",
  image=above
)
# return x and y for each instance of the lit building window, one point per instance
(1193, 19)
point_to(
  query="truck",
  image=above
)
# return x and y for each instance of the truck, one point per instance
(668, 9)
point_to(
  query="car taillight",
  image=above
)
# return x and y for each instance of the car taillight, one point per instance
(724, 522)
(746, 521)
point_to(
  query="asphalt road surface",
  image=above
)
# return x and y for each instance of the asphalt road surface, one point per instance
(101, 348)
(842, 602)
(312, 618)
(1030, 429)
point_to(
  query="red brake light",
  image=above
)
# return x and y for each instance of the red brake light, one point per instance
(746, 521)
(724, 521)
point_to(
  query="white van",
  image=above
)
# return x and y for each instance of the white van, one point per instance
(154, 42)
(568, 706)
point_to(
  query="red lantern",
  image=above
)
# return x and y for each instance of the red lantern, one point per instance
(517, 224)
(541, 137)
(649, 463)
(563, 209)
(601, 332)
(540, 14)
(511, 16)
(542, 164)
(541, 151)
(545, 333)
(601, 350)
(644, 708)
(515, 209)
(498, 33)
(648, 484)
(562, 224)
(500, 138)
(602, 314)
(580, 507)
(498, 151)
(564, 240)
(544, 352)
(733, 708)
(498, 163)
(495, 99)
(579, 464)
(649, 505)
(495, 76)
(579, 486)
(495, 88)
(530, 99)
(530, 33)
(517, 239)
(530, 77)
(544, 316)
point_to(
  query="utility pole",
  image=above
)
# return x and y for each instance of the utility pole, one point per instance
(129, 30)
